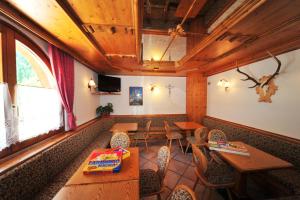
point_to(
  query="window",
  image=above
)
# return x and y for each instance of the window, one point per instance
(38, 109)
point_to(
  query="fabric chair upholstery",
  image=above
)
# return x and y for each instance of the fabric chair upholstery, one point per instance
(217, 135)
(151, 182)
(182, 192)
(120, 139)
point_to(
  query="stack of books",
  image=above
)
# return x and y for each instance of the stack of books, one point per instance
(228, 147)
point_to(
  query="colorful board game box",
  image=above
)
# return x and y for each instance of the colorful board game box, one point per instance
(103, 162)
(125, 152)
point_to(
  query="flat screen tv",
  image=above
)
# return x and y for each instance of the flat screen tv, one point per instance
(109, 84)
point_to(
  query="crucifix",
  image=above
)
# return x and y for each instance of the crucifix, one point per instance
(170, 87)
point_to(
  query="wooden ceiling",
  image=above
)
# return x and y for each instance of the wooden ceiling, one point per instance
(106, 35)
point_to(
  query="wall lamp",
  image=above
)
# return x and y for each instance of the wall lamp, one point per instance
(224, 83)
(91, 84)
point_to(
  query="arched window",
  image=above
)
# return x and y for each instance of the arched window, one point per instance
(37, 104)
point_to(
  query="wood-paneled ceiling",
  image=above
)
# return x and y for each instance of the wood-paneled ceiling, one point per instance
(106, 35)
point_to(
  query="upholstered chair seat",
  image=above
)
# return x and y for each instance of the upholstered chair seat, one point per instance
(212, 171)
(120, 139)
(151, 182)
(182, 192)
(217, 135)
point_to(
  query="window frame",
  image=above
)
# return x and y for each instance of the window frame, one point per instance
(9, 35)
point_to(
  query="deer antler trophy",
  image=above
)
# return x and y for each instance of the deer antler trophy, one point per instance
(264, 93)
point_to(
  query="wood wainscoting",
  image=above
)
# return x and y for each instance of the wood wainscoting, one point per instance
(196, 96)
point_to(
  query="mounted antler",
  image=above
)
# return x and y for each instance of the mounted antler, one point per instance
(276, 72)
(249, 78)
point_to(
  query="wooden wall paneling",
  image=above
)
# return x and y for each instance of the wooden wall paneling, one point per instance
(184, 6)
(76, 19)
(23, 21)
(51, 17)
(242, 12)
(138, 12)
(196, 95)
(196, 26)
(9, 65)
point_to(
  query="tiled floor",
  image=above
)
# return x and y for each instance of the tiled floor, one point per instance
(180, 170)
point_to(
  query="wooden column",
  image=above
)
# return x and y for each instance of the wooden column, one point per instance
(196, 95)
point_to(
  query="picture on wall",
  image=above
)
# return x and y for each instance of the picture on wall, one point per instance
(135, 96)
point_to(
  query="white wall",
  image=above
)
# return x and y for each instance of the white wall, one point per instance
(157, 102)
(85, 103)
(240, 104)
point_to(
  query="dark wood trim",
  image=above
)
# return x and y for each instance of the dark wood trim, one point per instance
(8, 11)
(21, 156)
(258, 56)
(26, 143)
(241, 13)
(259, 131)
(74, 17)
(149, 115)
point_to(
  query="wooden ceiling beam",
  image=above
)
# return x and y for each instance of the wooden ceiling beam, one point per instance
(243, 11)
(75, 18)
(8, 11)
(138, 10)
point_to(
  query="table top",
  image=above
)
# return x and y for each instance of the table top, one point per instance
(188, 125)
(129, 171)
(124, 127)
(127, 190)
(257, 161)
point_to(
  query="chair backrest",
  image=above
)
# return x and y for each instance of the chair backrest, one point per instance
(147, 128)
(199, 160)
(182, 192)
(167, 128)
(216, 135)
(163, 159)
(200, 135)
(120, 139)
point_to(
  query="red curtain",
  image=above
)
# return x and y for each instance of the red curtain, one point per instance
(63, 70)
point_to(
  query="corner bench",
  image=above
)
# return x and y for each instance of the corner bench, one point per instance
(29, 178)
(285, 148)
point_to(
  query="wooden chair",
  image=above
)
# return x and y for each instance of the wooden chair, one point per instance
(151, 182)
(171, 135)
(200, 137)
(213, 173)
(182, 192)
(216, 135)
(143, 136)
(120, 139)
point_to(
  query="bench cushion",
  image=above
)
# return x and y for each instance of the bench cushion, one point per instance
(289, 178)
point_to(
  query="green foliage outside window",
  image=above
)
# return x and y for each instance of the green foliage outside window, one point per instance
(25, 73)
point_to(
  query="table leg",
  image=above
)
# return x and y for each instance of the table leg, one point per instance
(240, 188)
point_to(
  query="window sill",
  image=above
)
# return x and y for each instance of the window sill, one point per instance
(19, 157)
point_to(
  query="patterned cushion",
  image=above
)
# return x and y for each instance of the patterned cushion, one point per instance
(163, 159)
(27, 179)
(149, 182)
(180, 194)
(289, 178)
(216, 135)
(120, 139)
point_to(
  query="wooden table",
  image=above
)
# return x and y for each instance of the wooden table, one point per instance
(188, 127)
(124, 127)
(257, 161)
(122, 185)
